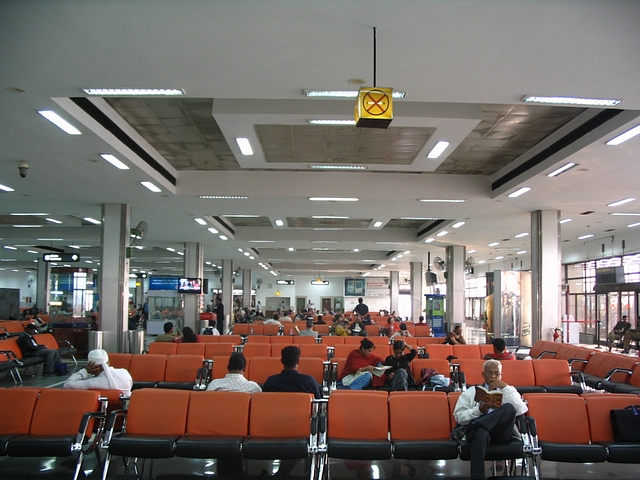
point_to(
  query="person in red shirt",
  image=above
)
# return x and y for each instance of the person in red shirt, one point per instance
(500, 351)
(356, 373)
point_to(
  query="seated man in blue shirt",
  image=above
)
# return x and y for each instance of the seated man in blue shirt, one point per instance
(290, 380)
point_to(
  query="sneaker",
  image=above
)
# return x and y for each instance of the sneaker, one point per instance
(458, 433)
(625, 351)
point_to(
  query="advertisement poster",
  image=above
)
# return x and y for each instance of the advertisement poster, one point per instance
(354, 287)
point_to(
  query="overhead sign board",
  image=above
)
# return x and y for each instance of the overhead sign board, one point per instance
(285, 282)
(374, 107)
(61, 257)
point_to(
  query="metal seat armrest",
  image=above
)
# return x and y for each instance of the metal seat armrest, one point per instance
(83, 434)
(546, 352)
(111, 422)
(580, 379)
(617, 370)
(577, 360)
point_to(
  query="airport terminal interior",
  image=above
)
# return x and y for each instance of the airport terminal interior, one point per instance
(471, 161)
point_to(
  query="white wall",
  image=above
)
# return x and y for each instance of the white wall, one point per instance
(26, 282)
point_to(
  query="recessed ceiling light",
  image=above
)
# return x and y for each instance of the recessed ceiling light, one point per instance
(59, 122)
(523, 234)
(406, 252)
(120, 92)
(291, 249)
(53, 220)
(436, 151)
(328, 216)
(240, 215)
(429, 240)
(224, 197)
(499, 257)
(262, 241)
(212, 230)
(324, 241)
(585, 236)
(562, 169)
(332, 122)
(200, 221)
(623, 214)
(92, 220)
(457, 225)
(521, 252)
(519, 192)
(389, 243)
(279, 223)
(441, 200)
(32, 251)
(150, 186)
(339, 167)
(26, 214)
(327, 228)
(9, 247)
(114, 161)
(377, 224)
(4, 188)
(26, 226)
(223, 237)
(621, 202)
(171, 249)
(588, 102)
(494, 244)
(633, 225)
(482, 261)
(50, 239)
(245, 146)
(471, 251)
(420, 218)
(442, 233)
(565, 220)
(343, 93)
(333, 199)
(629, 134)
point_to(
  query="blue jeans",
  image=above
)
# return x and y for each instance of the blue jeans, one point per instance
(361, 382)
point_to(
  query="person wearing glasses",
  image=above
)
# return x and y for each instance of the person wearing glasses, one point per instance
(487, 418)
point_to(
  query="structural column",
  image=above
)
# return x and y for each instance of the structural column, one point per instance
(246, 288)
(394, 290)
(455, 258)
(43, 285)
(114, 276)
(546, 268)
(193, 268)
(415, 272)
(227, 292)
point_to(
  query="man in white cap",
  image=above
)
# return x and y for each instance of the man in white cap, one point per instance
(99, 375)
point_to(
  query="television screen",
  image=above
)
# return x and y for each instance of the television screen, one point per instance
(190, 285)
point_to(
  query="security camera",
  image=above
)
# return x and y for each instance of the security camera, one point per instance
(23, 167)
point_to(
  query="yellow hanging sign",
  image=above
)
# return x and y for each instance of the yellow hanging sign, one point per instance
(374, 107)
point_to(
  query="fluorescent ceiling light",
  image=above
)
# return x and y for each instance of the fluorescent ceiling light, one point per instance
(92, 220)
(429, 240)
(50, 239)
(471, 251)
(343, 93)
(327, 216)
(291, 249)
(150, 186)
(224, 197)
(523, 234)
(59, 122)
(26, 226)
(324, 229)
(565, 220)
(521, 252)
(245, 146)
(457, 225)
(119, 92)
(32, 251)
(621, 202)
(339, 167)
(388, 243)
(114, 161)
(9, 247)
(200, 221)
(53, 220)
(4, 188)
(494, 244)
(562, 169)
(324, 241)
(279, 223)
(622, 214)
(333, 199)
(240, 215)
(585, 236)
(262, 241)
(420, 218)
(482, 261)
(499, 257)
(332, 122)
(377, 224)
(441, 200)
(519, 192)
(356, 250)
(633, 225)
(629, 134)
(588, 102)
(171, 249)
(442, 233)
(25, 214)
(223, 237)
(406, 252)
(436, 151)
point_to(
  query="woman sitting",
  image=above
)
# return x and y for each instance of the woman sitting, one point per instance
(356, 373)
(188, 336)
(399, 376)
(402, 332)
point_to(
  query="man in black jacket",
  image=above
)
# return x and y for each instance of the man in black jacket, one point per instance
(31, 348)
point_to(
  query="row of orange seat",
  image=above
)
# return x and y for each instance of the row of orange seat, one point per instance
(295, 327)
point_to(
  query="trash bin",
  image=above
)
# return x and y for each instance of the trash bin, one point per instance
(136, 341)
(96, 338)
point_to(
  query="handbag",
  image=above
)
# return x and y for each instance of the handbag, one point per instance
(625, 424)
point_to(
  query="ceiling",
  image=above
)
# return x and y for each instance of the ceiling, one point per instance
(244, 66)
